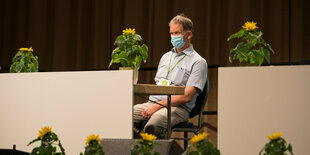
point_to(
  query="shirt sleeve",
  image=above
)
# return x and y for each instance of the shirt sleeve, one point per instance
(199, 74)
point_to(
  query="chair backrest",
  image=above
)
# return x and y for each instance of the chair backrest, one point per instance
(200, 101)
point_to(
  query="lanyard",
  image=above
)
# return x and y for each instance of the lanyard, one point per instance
(169, 70)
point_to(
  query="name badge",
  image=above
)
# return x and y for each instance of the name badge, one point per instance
(164, 82)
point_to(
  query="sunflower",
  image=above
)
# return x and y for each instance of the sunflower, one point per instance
(249, 26)
(129, 31)
(148, 137)
(199, 137)
(44, 131)
(26, 49)
(275, 135)
(93, 137)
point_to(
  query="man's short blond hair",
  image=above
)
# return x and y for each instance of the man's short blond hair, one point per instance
(186, 23)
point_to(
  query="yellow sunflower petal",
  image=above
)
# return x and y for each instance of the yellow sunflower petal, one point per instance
(44, 131)
(275, 135)
(199, 137)
(249, 26)
(148, 137)
(129, 31)
(92, 137)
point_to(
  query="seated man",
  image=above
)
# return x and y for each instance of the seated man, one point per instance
(182, 66)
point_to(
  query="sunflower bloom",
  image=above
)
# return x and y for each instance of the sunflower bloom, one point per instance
(249, 26)
(93, 137)
(22, 49)
(129, 31)
(148, 137)
(26, 49)
(275, 135)
(199, 137)
(44, 131)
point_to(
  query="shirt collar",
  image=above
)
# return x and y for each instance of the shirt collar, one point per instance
(186, 51)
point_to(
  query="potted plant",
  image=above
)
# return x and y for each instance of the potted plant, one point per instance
(201, 146)
(145, 145)
(277, 146)
(48, 140)
(24, 61)
(130, 51)
(252, 50)
(93, 146)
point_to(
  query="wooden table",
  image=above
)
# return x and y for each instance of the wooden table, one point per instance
(150, 89)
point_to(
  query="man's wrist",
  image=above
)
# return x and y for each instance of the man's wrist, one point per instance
(160, 106)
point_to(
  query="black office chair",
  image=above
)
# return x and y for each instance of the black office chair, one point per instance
(189, 126)
(197, 110)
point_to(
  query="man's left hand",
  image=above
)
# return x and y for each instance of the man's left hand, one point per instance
(148, 112)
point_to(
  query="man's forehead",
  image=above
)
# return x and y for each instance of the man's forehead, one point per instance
(176, 27)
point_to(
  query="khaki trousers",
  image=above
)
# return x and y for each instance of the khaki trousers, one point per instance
(157, 124)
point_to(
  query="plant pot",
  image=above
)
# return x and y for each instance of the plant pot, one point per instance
(135, 73)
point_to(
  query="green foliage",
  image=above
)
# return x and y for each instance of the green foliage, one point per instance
(252, 49)
(203, 147)
(46, 146)
(93, 148)
(130, 51)
(276, 147)
(144, 147)
(24, 61)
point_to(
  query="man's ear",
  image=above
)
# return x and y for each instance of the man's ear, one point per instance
(190, 34)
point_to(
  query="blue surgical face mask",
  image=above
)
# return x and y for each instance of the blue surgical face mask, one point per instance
(177, 41)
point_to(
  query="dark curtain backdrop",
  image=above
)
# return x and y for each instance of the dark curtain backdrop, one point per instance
(70, 35)
(79, 34)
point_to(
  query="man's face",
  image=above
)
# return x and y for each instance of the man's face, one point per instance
(176, 29)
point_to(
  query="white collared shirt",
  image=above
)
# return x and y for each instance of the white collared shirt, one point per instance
(191, 71)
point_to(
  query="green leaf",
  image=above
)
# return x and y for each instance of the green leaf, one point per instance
(19, 67)
(255, 34)
(34, 151)
(269, 47)
(19, 53)
(132, 52)
(61, 148)
(124, 62)
(137, 38)
(266, 54)
(119, 40)
(116, 50)
(237, 35)
(35, 140)
(14, 59)
(144, 52)
(35, 64)
(240, 58)
(230, 59)
(137, 61)
(12, 68)
(25, 60)
(233, 51)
